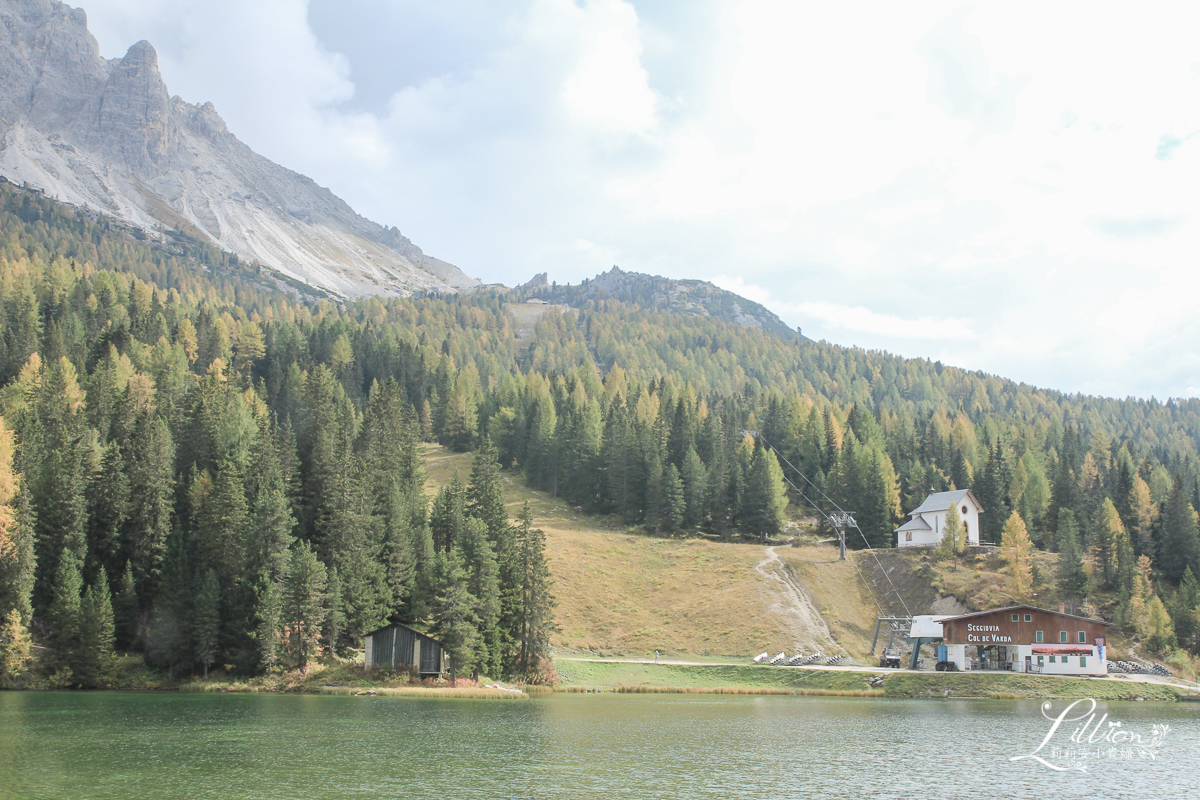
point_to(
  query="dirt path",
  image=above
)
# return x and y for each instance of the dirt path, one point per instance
(795, 610)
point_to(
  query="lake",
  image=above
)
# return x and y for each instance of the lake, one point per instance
(171, 745)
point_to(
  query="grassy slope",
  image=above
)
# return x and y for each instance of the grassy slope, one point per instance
(625, 593)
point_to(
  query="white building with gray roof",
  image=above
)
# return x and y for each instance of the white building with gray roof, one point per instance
(924, 528)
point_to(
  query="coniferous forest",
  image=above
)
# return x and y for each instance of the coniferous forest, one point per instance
(208, 466)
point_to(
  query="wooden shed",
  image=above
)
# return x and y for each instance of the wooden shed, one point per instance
(400, 647)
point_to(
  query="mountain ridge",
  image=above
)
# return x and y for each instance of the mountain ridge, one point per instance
(676, 295)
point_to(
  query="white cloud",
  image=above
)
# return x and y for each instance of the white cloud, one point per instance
(857, 319)
(1015, 181)
(609, 87)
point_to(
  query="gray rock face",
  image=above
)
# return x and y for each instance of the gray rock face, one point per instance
(109, 136)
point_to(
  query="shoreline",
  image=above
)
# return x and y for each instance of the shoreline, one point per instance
(643, 676)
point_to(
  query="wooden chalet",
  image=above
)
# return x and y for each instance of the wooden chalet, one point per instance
(1026, 639)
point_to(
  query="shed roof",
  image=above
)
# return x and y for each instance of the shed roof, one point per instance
(940, 501)
(409, 627)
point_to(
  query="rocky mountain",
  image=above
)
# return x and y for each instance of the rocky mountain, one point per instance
(108, 136)
(699, 298)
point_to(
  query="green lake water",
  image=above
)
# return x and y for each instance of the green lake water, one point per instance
(192, 746)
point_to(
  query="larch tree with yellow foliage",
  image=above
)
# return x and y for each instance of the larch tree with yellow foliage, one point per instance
(954, 537)
(1016, 550)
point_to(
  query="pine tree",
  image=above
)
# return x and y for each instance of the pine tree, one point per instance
(108, 507)
(94, 659)
(1183, 608)
(448, 515)
(1072, 575)
(270, 624)
(875, 507)
(485, 494)
(304, 605)
(765, 498)
(126, 610)
(207, 629)
(455, 621)
(1179, 546)
(537, 599)
(64, 614)
(1016, 550)
(695, 484)
(674, 502)
(483, 583)
(150, 455)
(424, 582)
(335, 616)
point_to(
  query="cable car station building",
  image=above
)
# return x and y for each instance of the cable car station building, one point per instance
(1025, 639)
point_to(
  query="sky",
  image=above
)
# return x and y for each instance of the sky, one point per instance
(1007, 187)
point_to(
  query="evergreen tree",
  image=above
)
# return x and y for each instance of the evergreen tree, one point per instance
(304, 605)
(874, 515)
(455, 621)
(207, 628)
(167, 634)
(268, 634)
(335, 618)
(150, 457)
(1183, 610)
(64, 614)
(483, 583)
(1179, 546)
(448, 515)
(541, 466)
(537, 599)
(765, 498)
(1072, 575)
(425, 576)
(485, 493)
(695, 484)
(108, 506)
(674, 501)
(126, 611)
(94, 659)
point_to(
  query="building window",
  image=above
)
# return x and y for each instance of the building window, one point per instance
(964, 511)
(966, 528)
(1040, 661)
(1083, 661)
(1038, 637)
(1062, 636)
(1029, 617)
(1051, 659)
(1015, 617)
(908, 536)
(1083, 637)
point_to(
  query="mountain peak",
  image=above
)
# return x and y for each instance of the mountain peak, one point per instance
(107, 135)
(692, 297)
